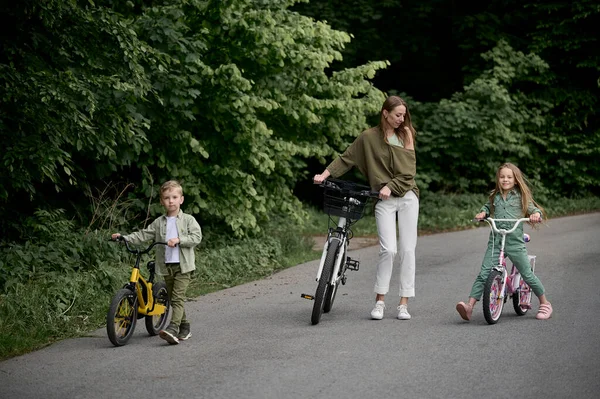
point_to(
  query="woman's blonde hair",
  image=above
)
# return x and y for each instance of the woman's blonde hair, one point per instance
(521, 184)
(388, 105)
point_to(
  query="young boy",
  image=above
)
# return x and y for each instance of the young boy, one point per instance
(176, 261)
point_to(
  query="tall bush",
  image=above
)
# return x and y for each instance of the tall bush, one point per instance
(465, 138)
(230, 97)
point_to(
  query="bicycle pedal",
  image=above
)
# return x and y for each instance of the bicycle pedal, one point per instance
(306, 296)
(352, 264)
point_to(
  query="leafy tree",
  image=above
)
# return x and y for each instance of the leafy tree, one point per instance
(70, 75)
(564, 35)
(245, 98)
(464, 139)
(231, 97)
(434, 47)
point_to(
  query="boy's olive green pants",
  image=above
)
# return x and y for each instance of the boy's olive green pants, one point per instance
(177, 284)
(515, 250)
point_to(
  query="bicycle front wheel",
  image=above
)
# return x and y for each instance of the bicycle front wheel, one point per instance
(324, 282)
(157, 322)
(331, 288)
(492, 297)
(122, 317)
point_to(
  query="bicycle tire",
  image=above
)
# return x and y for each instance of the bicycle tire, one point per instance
(522, 296)
(331, 289)
(122, 316)
(156, 323)
(492, 305)
(323, 283)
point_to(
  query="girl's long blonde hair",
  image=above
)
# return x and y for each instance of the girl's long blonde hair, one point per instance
(521, 184)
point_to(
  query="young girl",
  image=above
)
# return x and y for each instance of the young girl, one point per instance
(511, 199)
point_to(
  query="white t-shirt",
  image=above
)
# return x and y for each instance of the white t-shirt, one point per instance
(172, 254)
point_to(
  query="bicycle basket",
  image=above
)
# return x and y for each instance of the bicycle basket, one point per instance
(336, 201)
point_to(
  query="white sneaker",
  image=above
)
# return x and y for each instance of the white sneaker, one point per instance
(403, 312)
(377, 312)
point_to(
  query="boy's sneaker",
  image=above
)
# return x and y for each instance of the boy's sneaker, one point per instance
(184, 332)
(403, 312)
(377, 312)
(170, 334)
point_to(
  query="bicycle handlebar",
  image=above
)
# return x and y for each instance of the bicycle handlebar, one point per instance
(350, 188)
(137, 251)
(492, 223)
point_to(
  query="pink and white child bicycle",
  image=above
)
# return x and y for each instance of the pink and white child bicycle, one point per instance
(501, 285)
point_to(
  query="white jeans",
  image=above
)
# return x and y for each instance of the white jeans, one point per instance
(406, 211)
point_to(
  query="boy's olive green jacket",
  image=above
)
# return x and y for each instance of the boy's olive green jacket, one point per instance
(189, 233)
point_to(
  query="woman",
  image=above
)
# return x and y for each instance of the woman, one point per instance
(385, 154)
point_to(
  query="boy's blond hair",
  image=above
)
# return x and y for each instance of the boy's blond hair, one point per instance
(171, 185)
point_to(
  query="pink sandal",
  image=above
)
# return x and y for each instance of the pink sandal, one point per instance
(545, 311)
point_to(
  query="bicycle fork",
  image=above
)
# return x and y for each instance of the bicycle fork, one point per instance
(338, 258)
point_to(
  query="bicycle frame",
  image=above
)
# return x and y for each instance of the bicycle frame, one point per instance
(342, 238)
(137, 299)
(138, 284)
(342, 234)
(347, 201)
(508, 280)
(500, 284)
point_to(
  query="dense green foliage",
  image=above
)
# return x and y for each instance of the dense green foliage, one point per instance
(435, 48)
(465, 138)
(235, 97)
(227, 96)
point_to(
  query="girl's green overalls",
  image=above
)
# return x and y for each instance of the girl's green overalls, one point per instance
(514, 247)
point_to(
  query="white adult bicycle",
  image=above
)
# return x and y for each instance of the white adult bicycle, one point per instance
(347, 201)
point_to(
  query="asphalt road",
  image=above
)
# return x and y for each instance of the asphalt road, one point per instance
(256, 340)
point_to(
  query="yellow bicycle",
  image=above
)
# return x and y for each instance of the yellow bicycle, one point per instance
(138, 298)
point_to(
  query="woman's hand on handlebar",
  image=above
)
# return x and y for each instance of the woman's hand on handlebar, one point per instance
(115, 236)
(318, 179)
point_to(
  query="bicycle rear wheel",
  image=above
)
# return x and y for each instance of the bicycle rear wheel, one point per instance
(323, 283)
(157, 322)
(331, 288)
(122, 317)
(522, 298)
(492, 301)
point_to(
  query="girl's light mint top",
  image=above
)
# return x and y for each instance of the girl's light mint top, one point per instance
(509, 208)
